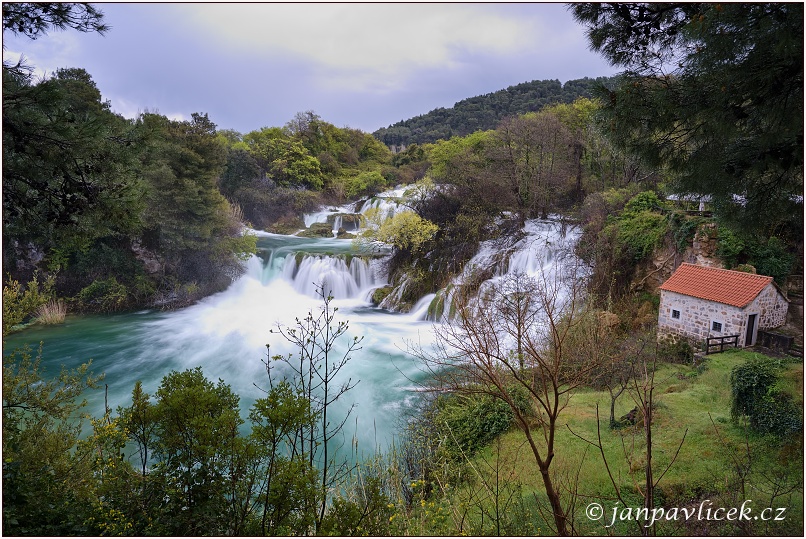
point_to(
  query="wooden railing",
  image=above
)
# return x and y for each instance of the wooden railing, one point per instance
(720, 342)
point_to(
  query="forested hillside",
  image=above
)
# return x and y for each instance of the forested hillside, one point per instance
(484, 112)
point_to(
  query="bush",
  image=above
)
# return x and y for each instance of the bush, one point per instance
(103, 296)
(644, 201)
(471, 422)
(366, 512)
(770, 256)
(755, 395)
(777, 414)
(365, 183)
(19, 302)
(641, 232)
(676, 350)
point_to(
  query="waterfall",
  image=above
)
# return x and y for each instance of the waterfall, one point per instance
(336, 276)
(386, 203)
(545, 249)
(227, 333)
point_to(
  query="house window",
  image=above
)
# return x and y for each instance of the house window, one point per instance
(716, 326)
(675, 314)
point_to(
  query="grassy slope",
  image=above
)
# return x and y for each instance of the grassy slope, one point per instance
(699, 402)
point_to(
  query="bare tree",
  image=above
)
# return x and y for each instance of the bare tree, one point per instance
(315, 368)
(516, 339)
(640, 384)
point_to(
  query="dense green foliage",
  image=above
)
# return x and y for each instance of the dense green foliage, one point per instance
(713, 93)
(484, 112)
(274, 174)
(69, 172)
(44, 468)
(98, 198)
(769, 256)
(756, 395)
(471, 423)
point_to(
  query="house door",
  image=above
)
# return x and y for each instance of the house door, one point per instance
(751, 327)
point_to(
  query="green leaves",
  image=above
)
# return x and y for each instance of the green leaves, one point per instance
(68, 172)
(754, 394)
(711, 93)
(46, 476)
(405, 230)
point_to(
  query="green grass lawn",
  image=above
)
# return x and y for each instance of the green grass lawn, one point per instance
(690, 402)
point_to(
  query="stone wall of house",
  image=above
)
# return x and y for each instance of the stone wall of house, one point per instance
(771, 306)
(696, 316)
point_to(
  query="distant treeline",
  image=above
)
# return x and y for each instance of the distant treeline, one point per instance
(484, 112)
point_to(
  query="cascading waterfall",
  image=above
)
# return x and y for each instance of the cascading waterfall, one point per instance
(337, 276)
(226, 334)
(385, 204)
(545, 249)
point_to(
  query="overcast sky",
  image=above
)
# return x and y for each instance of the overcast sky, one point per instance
(365, 66)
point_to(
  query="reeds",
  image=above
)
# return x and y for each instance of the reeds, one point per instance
(52, 312)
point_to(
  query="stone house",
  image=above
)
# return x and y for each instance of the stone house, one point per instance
(700, 302)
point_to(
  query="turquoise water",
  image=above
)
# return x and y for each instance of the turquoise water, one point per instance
(226, 334)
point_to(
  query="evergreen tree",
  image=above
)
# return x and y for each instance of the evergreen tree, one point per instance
(714, 93)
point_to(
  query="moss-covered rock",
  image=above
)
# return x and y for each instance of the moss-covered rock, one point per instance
(380, 294)
(317, 230)
(286, 225)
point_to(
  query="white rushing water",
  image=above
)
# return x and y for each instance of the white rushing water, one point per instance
(545, 250)
(227, 333)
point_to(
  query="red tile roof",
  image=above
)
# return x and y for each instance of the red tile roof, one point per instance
(723, 286)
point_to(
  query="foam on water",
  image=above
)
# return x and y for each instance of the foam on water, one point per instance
(227, 333)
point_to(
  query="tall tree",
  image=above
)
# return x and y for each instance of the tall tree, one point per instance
(196, 430)
(68, 166)
(714, 93)
(533, 153)
(186, 218)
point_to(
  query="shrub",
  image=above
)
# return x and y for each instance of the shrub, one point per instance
(471, 422)
(749, 383)
(365, 183)
(769, 256)
(729, 247)
(103, 296)
(775, 413)
(644, 201)
(676, 350)
(367, 511)
(755, 395)
(641, 232)
(20, 302)
(405, 230)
